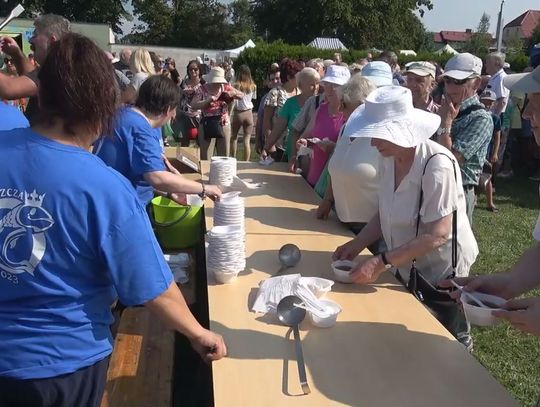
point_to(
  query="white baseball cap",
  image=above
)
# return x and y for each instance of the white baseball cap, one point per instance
(421, 68)
(378, 72)
(337, 74)
(463, 66)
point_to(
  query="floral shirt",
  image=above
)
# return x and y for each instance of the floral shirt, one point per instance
(189, 92)
(216, 108)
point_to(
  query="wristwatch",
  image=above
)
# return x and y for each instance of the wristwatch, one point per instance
(203, 193)
(443, 130)
(387, 264)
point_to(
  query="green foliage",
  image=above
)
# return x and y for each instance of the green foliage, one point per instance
(514, 44)
(358, 23)
(242, 24)
(481, 38)
(535, 37)
(110, 12)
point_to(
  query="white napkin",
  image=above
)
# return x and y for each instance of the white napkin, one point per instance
(273, 289)
(303, 150)
(267, 161)
(179, 264)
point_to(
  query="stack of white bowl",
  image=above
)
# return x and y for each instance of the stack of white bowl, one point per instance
(229, 210)
(226, 254)
(222, 171)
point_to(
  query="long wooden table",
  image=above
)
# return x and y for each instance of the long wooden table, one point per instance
(385, 350)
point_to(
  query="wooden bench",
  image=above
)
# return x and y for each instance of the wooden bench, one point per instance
(141, 367)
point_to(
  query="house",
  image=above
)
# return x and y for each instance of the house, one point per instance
(327, 43)
(522, 26)
(456, 39)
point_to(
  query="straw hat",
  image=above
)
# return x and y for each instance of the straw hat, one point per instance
(388, 114)
(216, 75)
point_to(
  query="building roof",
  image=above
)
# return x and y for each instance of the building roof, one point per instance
(454, 36)
(327, 43)
(527, 21)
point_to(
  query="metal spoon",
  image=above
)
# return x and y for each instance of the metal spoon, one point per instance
(289, 256)
(291, 315)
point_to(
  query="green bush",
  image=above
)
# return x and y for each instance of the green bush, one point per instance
(263, 55)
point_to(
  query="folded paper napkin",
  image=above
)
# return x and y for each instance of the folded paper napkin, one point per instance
(272, 290)
(267, 161)
(179, 264)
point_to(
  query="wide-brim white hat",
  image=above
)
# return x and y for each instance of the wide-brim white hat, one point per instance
(216, 75)
(524, 82)
(388, 114)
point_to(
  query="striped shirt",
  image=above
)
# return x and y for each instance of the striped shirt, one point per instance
(471, 134)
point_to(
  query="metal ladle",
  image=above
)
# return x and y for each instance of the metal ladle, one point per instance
(291, 315)
(289, 256)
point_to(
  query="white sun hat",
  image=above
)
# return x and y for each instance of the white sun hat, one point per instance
(337, 74)
(524, 82)
(216, 75)
(388, 114)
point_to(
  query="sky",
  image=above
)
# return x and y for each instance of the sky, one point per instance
(458, 15)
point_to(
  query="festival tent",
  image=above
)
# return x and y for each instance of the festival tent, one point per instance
(233, 53)
(327, 43)
(447, 49)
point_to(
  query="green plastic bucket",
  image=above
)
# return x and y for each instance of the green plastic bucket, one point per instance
(176, 226)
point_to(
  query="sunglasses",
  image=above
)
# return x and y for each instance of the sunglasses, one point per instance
(193, 69)
(459, 82)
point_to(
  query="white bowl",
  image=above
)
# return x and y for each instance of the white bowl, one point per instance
(343, 276)
(319, 286)
(481, 316)
(225, 278)
(330, 319)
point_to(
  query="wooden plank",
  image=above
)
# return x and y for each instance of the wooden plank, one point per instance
(141, 368)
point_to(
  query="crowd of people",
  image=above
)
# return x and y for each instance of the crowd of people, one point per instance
(398, 153)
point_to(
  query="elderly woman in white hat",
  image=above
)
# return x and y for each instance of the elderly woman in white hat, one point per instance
(214, 99)
(325, 125)
(420, 195)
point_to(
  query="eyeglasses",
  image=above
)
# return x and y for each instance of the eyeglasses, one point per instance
(194, 69)
(459, 82)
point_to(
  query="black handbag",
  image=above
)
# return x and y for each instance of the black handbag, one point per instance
(436, 300)
(212, 127)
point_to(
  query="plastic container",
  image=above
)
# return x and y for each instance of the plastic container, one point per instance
(329, 320)
(225, 278)
(481, 316)
(176, 226)
(319, 286)
(340, 274)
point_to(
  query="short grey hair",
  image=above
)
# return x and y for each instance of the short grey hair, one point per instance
(315, 63)
(307, 74)
(356, 90)
(52, 25)
(499, 57)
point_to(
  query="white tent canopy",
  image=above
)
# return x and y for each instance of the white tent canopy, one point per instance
(447, 49)
(233, 53)
(327, 43)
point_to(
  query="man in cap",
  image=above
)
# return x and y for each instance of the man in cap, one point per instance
(49, 28)
(523, 314)
(420, 79)
(466, 127)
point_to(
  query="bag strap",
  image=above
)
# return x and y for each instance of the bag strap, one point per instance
(469, 110)
(454, 214)
(317, 101)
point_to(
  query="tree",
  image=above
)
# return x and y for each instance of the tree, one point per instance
(534, 38)
(481, 38)
(358, 23)
(110, 12)
(242, 24)
(514, 44)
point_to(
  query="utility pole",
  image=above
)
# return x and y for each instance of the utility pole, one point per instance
(500, 28)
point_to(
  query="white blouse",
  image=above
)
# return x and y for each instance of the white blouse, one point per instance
(398, 210)
(246, 103)
(353, 171)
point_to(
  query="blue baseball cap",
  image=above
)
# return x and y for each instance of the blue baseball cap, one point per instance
(378, 72)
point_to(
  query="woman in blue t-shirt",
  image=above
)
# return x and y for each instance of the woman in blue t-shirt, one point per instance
(74, 238)
(135, 149)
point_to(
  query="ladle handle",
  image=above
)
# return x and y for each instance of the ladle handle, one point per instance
(300, 361)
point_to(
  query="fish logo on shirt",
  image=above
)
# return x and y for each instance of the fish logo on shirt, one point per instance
(23, 222)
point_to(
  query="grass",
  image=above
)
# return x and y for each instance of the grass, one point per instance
(511, 357)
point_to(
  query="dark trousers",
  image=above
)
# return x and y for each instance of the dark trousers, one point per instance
(82, 388)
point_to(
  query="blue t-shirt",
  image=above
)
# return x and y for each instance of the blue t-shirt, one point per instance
(11, 117)
(73, 238)
(133, 150)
